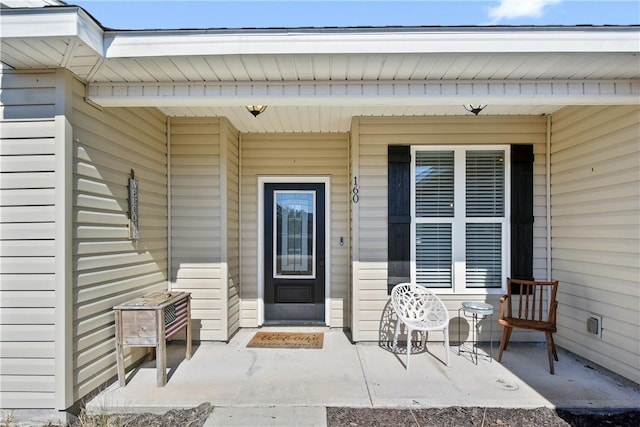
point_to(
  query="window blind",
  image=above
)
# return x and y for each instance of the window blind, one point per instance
(433, 255)
(434, 173)
(485, 183)
(483, 255)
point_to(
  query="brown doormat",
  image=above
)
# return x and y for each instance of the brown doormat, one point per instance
(287, 340)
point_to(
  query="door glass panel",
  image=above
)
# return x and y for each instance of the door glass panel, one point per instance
(294, 234)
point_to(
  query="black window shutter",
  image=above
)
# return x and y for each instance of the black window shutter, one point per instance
(522, 212)
(399, 215)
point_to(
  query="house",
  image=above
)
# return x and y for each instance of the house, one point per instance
(364, 170)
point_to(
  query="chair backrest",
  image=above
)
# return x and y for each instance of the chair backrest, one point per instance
(531, 300)
(416, 303)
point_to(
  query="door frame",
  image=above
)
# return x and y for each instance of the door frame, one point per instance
(262, 180)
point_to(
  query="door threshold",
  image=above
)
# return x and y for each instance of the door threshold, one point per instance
(293, 323)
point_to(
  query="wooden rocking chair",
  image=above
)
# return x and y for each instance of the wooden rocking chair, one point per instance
(529, 306)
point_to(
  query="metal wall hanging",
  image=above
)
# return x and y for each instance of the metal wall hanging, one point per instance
(133, 207)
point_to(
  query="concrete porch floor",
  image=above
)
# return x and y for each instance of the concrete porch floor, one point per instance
(302, 383)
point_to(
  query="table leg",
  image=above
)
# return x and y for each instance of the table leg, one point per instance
(475, 337)
(459, 335)
(161, 351)
(188, 352)
(119, 349)
(490, 338)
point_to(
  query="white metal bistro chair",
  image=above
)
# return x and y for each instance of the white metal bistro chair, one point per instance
(420, 310)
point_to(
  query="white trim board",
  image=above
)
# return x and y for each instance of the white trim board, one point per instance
(346, 93)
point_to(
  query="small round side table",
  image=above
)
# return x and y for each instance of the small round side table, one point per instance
(475, 310)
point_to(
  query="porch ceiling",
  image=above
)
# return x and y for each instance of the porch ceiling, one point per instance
(315, 80)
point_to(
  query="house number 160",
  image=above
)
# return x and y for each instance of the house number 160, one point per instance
(355, 190)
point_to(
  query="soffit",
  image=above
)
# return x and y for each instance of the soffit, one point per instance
(368, 67)
(87, 64)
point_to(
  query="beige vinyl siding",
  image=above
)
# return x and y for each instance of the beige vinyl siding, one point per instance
(595, 208)
(294, 155)
(28, 95)
(370, 141)
(27, 240)
(108, 267)
(196, 232)
(232, 172)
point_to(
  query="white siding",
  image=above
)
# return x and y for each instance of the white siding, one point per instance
(370, 247)
(108, 267)
(27, 240)
(196, 232)
(28, 95)
(294, 155)
(595, 207)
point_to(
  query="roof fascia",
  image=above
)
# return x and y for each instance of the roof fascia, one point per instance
(489, 40)
(52, 22)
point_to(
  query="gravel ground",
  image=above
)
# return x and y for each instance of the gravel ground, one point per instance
(361, 417)
(458, 416)
(194, 417)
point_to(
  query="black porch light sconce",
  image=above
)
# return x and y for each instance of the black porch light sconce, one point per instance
(475, 109)
(134, 231)
(256, 109)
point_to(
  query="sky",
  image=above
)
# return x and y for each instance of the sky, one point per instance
(172, 14)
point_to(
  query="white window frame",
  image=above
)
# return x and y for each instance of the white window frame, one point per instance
(459, 220)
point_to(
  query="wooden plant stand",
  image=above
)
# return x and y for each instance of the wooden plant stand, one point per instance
(149, 321)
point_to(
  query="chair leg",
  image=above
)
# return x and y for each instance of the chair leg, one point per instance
(395, 335)
(508, 338)
(553, 347)
(506, 334)
(550, 350)
(445, 331)
(409, 331)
